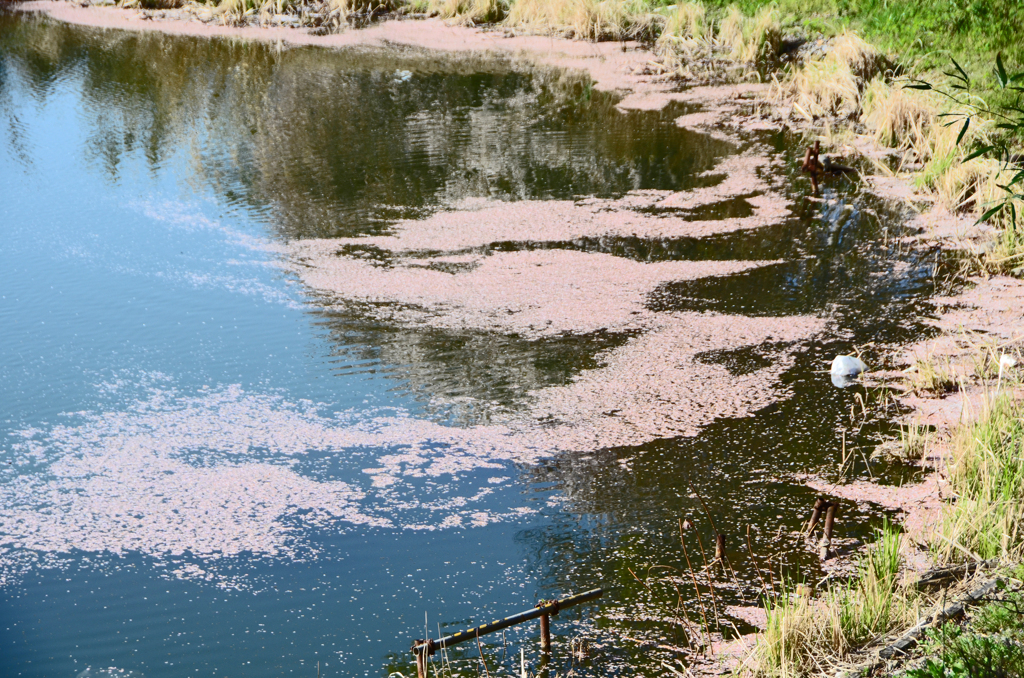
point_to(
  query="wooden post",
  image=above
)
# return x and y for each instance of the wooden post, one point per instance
(545, 634)
(826, 540)
(819, 504)
(719, 546)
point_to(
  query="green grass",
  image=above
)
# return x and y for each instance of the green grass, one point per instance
(986, 473)
(923, 31)
(870, 605)
(990, 645)
(804, 637)
(919, 35)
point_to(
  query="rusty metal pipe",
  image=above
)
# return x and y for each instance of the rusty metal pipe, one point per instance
(543, 610)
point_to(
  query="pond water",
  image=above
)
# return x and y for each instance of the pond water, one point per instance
(212, 464)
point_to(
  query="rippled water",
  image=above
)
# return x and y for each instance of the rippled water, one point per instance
(206, 470)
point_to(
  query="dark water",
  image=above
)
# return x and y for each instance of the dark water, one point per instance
(146, 184)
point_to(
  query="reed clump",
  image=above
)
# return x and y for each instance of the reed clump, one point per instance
(751, 39)
(345, 7)
(899, 118)
(465, 11)
(914, 441)
(933, 376)
(687, 21)
(986, 474)
(804, 636)
(687, 31)
(833, 85)
(586, 19)
(237, 8)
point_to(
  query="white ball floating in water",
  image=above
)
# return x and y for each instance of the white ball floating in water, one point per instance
(848, 366)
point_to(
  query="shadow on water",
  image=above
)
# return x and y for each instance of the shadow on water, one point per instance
(308, 143)
(466, 377)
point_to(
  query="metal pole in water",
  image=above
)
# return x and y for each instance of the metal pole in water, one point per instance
(421, 652)
(424, 648)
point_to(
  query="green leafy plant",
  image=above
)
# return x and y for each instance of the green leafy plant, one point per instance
(988, 646)
(1008, 173)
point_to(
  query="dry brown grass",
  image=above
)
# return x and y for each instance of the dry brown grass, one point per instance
(857, 55)
(345, 7)
(898, 117)
(751, 39)
(824, 88)
(687, 21)
(832, 86)
(587, 19)
(466, 11)
(687, 35)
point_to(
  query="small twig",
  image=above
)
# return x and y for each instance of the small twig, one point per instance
(750, 549)
(482, 660)
(639, 580)
(700, 599)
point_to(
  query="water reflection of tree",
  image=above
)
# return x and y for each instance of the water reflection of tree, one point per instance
(468, 377)
(339, 142)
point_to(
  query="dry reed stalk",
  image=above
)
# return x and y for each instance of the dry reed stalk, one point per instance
(711, 585)
(703, 554)
(751, 39)
(693, 577)
(467, 11)
(750, 550)
(586, 19)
